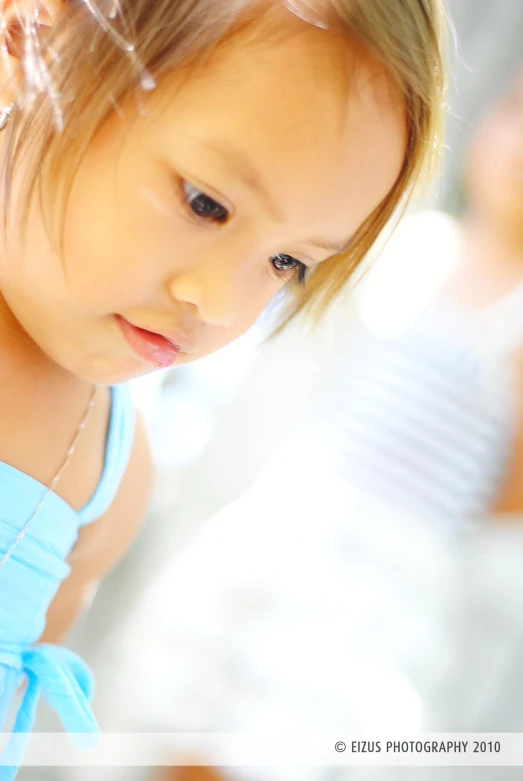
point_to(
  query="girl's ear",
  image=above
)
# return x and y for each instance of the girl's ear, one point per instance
(15, 17)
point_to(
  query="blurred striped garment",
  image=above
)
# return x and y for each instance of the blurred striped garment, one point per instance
(424, 419)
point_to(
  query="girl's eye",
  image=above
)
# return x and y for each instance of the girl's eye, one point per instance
(285, 263)
(203, 206)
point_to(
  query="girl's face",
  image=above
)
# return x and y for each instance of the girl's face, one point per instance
(186, 222)
(495, 163)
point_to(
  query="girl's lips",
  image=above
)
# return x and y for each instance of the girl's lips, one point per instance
(152, 347)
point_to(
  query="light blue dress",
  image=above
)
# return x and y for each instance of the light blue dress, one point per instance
(31, 577)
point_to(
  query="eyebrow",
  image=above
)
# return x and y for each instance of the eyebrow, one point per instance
(243, 168)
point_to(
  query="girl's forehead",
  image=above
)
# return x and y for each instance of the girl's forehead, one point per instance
(310, 65)
(310, 85)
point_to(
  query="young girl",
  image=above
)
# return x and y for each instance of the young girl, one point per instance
(168, 168)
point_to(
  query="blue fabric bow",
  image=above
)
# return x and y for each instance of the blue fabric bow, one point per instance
(65, 682)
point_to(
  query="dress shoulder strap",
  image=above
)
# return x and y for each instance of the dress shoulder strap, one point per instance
(120, 438)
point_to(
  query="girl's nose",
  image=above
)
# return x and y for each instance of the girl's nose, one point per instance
(217, 290)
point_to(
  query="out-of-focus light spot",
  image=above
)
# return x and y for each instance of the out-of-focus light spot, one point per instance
(409, 272)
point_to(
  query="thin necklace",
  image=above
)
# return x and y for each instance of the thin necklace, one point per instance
(56, 478)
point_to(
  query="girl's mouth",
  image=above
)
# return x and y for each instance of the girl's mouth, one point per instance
(152, 347)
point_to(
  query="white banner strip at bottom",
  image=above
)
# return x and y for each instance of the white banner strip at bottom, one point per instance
(261, 749)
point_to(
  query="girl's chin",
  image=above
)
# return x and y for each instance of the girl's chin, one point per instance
(106, 373)
(112, 370)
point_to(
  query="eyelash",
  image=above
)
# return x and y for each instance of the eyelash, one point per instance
(210, 210)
